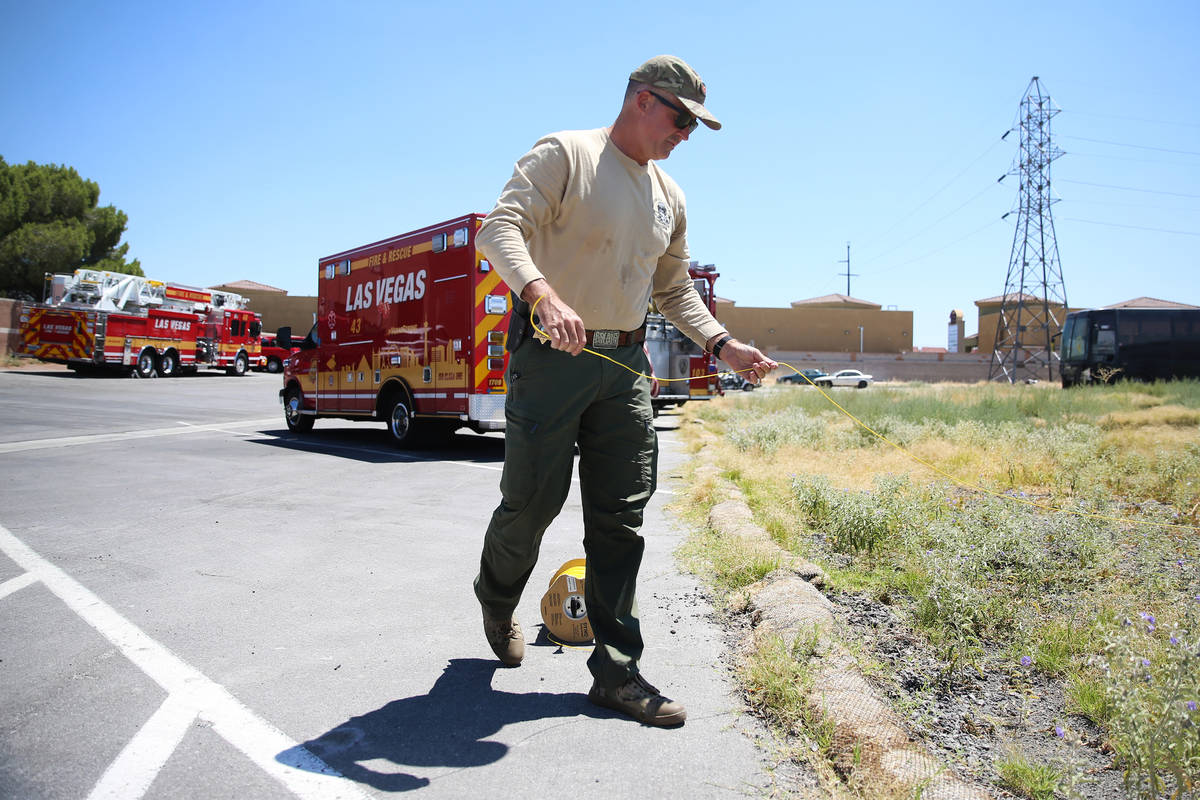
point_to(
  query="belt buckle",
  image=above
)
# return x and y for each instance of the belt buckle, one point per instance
(606, 340)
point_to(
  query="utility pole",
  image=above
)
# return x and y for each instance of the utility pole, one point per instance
(1033, 290)
(847, 273)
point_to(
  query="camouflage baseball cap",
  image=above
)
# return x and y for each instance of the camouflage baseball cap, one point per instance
(675, 76)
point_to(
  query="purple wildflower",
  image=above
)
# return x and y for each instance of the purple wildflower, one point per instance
(1026, 661)
(1174, 640)
(1191, 705)
(1059, 732)
(1145, 662)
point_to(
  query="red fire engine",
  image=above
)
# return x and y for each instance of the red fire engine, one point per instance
(410, 331)
(273, 355)
(106, 320)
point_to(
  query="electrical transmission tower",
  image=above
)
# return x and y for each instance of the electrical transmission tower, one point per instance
(1035, 299)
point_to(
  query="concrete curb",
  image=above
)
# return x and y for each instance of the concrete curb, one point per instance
(868, 737)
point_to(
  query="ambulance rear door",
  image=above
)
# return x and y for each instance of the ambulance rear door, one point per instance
(451, 319)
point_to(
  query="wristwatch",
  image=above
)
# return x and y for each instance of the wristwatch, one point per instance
(724, 340)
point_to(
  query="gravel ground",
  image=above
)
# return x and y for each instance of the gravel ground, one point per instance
(971, 719)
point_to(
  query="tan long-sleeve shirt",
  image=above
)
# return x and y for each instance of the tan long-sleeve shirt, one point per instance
(604, 231)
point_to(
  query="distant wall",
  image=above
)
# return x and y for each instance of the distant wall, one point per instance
(928, 367)
(10, 321)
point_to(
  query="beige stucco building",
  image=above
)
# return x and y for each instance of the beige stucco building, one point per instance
(989, 320)
(833, 323)
(276, 307)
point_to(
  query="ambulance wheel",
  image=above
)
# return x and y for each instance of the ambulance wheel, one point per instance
(168, 365)
(274, 365)
(241, 365)
(147, 364)
(401, 425)
(296, 422)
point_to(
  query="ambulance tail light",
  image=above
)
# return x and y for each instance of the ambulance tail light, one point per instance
(495, 337)
(495, 351)
(495, 364)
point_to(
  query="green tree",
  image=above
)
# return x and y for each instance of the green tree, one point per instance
(50, 222)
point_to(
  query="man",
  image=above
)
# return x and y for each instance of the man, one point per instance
(588, 229)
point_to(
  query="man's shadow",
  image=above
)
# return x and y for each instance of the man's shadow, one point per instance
(448, 727)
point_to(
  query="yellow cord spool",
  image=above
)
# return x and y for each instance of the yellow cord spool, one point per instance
(563, 608)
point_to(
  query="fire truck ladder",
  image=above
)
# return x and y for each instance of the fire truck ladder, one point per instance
(112, 291)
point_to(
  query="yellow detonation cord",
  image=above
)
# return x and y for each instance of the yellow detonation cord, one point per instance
(965, 484)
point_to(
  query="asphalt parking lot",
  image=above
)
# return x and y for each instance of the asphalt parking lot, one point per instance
(195, 603)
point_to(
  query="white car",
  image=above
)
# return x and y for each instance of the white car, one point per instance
(845, 377)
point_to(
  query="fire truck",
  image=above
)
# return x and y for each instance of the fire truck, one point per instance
(410, 331)
(690, 370)
(273, 355)
(95, 320)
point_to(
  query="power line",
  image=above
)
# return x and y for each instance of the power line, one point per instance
(948, 245)
(1138, 160)
(929, 199)
(1135, 119)
(1074, 201)
(933, 224)
(1128, 188)
(1131, 227)
(1137, 146)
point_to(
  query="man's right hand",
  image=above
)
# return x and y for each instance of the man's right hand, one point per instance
(555, 318)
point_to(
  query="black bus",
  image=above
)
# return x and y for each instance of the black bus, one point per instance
(1130, 343)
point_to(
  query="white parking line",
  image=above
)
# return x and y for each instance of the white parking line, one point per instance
(72, 441)
(19, 582)
(187, 688)
(130, 775)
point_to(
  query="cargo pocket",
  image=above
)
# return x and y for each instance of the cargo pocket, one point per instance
(647, 458)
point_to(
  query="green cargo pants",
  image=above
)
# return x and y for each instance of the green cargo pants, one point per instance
(554, 402)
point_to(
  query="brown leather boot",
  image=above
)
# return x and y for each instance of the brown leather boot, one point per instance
(637, 698)
(505, 637)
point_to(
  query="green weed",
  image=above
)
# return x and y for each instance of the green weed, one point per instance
(1087, 695)
(1027, 779)
(777, 679)
(1152, 679)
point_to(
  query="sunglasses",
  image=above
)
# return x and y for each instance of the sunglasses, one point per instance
(684, 119)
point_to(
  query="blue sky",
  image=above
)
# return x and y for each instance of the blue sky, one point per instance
(247, 140)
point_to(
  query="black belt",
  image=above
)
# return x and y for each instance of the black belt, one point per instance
(610, 340)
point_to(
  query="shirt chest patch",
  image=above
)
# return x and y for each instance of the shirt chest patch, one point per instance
(662, 216)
